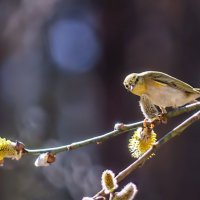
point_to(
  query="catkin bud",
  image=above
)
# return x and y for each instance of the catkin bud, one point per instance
(127, 193)
(108, 181)
(45, 159)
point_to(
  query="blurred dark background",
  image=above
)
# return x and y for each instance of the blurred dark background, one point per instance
(62, 64)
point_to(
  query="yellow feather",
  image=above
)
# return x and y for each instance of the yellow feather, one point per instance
(158, 84)
(139, 89)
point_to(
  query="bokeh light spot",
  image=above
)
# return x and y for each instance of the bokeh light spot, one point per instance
(73, 45)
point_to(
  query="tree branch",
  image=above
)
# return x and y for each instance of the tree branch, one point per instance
(123, 128)
(175, 132)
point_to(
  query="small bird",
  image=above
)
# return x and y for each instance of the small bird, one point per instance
(161, 89)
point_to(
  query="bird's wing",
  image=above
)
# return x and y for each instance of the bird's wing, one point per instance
(171, 81)
(198, 89)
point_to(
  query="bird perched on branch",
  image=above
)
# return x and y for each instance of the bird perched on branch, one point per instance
(161, 89)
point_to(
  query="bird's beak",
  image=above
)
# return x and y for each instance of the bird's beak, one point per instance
(131, 87)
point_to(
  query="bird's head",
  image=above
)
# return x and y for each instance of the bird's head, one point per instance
(130, 81)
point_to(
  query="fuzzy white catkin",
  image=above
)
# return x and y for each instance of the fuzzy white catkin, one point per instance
(41, 161)
(127, 193)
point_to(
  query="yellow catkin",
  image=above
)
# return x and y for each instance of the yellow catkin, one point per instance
(7, 150)
(141, 141)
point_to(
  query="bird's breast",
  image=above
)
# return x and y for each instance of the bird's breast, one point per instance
(139, 88)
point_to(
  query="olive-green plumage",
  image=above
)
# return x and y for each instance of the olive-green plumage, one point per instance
(161, 89)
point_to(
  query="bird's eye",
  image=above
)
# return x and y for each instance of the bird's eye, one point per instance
(126, 86)
(136, 80)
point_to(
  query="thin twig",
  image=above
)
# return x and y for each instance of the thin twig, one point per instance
(99, 139)
(94, 140)
(175, 132)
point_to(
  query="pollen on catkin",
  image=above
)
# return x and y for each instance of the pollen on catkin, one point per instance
(108, 181)
(141, 141)
(127, 193)
(7, 149)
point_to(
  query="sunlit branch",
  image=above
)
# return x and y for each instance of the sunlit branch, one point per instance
(140, 161)
(123, 128)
